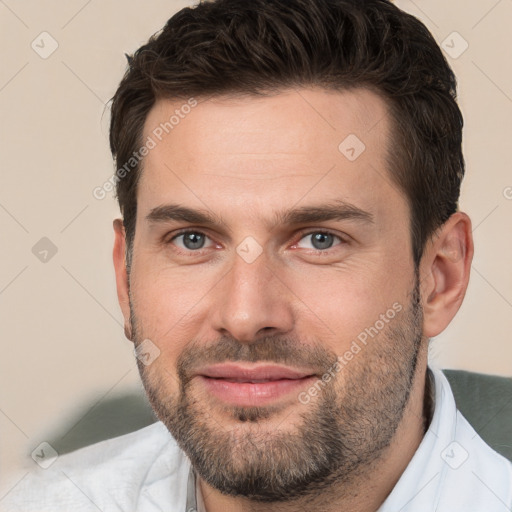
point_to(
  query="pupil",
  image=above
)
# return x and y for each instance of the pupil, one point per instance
(193, 240)
(322, 240)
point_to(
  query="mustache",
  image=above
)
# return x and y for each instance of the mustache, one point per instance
(276, 349)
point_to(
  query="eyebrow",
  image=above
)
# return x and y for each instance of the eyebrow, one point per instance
(176, 212)
(335, 210)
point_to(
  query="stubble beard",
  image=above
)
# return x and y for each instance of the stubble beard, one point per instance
(334, 439)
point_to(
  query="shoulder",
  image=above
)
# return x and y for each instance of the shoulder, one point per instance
(108, 475)
(453, 469)
(488, 473)
(469, 462)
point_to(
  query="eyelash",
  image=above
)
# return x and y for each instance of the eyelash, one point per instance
(304, 234)
(301, 236)
(185, 232)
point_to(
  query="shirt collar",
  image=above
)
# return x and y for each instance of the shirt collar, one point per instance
(425, 471)
(195, 501)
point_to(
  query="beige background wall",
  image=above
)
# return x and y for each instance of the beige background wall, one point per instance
(63, 348)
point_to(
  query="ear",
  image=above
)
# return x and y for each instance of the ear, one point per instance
(444, 273)
(122, 274)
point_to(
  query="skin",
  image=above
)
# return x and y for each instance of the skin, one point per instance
(245, 159)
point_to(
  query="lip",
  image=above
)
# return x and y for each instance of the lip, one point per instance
(250, 373)
(252, 385)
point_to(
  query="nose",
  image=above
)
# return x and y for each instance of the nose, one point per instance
(252, 302)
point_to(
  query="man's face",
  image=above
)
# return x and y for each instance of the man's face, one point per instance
(251, 310)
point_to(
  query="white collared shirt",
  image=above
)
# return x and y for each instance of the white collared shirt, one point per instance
(453, 470)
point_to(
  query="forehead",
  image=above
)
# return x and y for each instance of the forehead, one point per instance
(264, 152)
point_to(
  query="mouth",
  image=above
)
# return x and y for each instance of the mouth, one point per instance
(253, 385)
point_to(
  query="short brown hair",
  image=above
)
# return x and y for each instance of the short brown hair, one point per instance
(263, 46)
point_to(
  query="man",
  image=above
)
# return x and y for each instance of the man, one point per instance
(288, 175)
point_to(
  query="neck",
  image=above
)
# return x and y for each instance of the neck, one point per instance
(367, 490)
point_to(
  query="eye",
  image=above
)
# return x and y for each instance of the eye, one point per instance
(190, 240)
(319, 241)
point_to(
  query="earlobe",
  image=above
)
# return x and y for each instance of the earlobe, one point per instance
(122, 285)
(445, 271)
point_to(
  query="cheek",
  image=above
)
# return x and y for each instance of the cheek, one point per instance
(160, 381)
(343, 304)
(165, 304)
